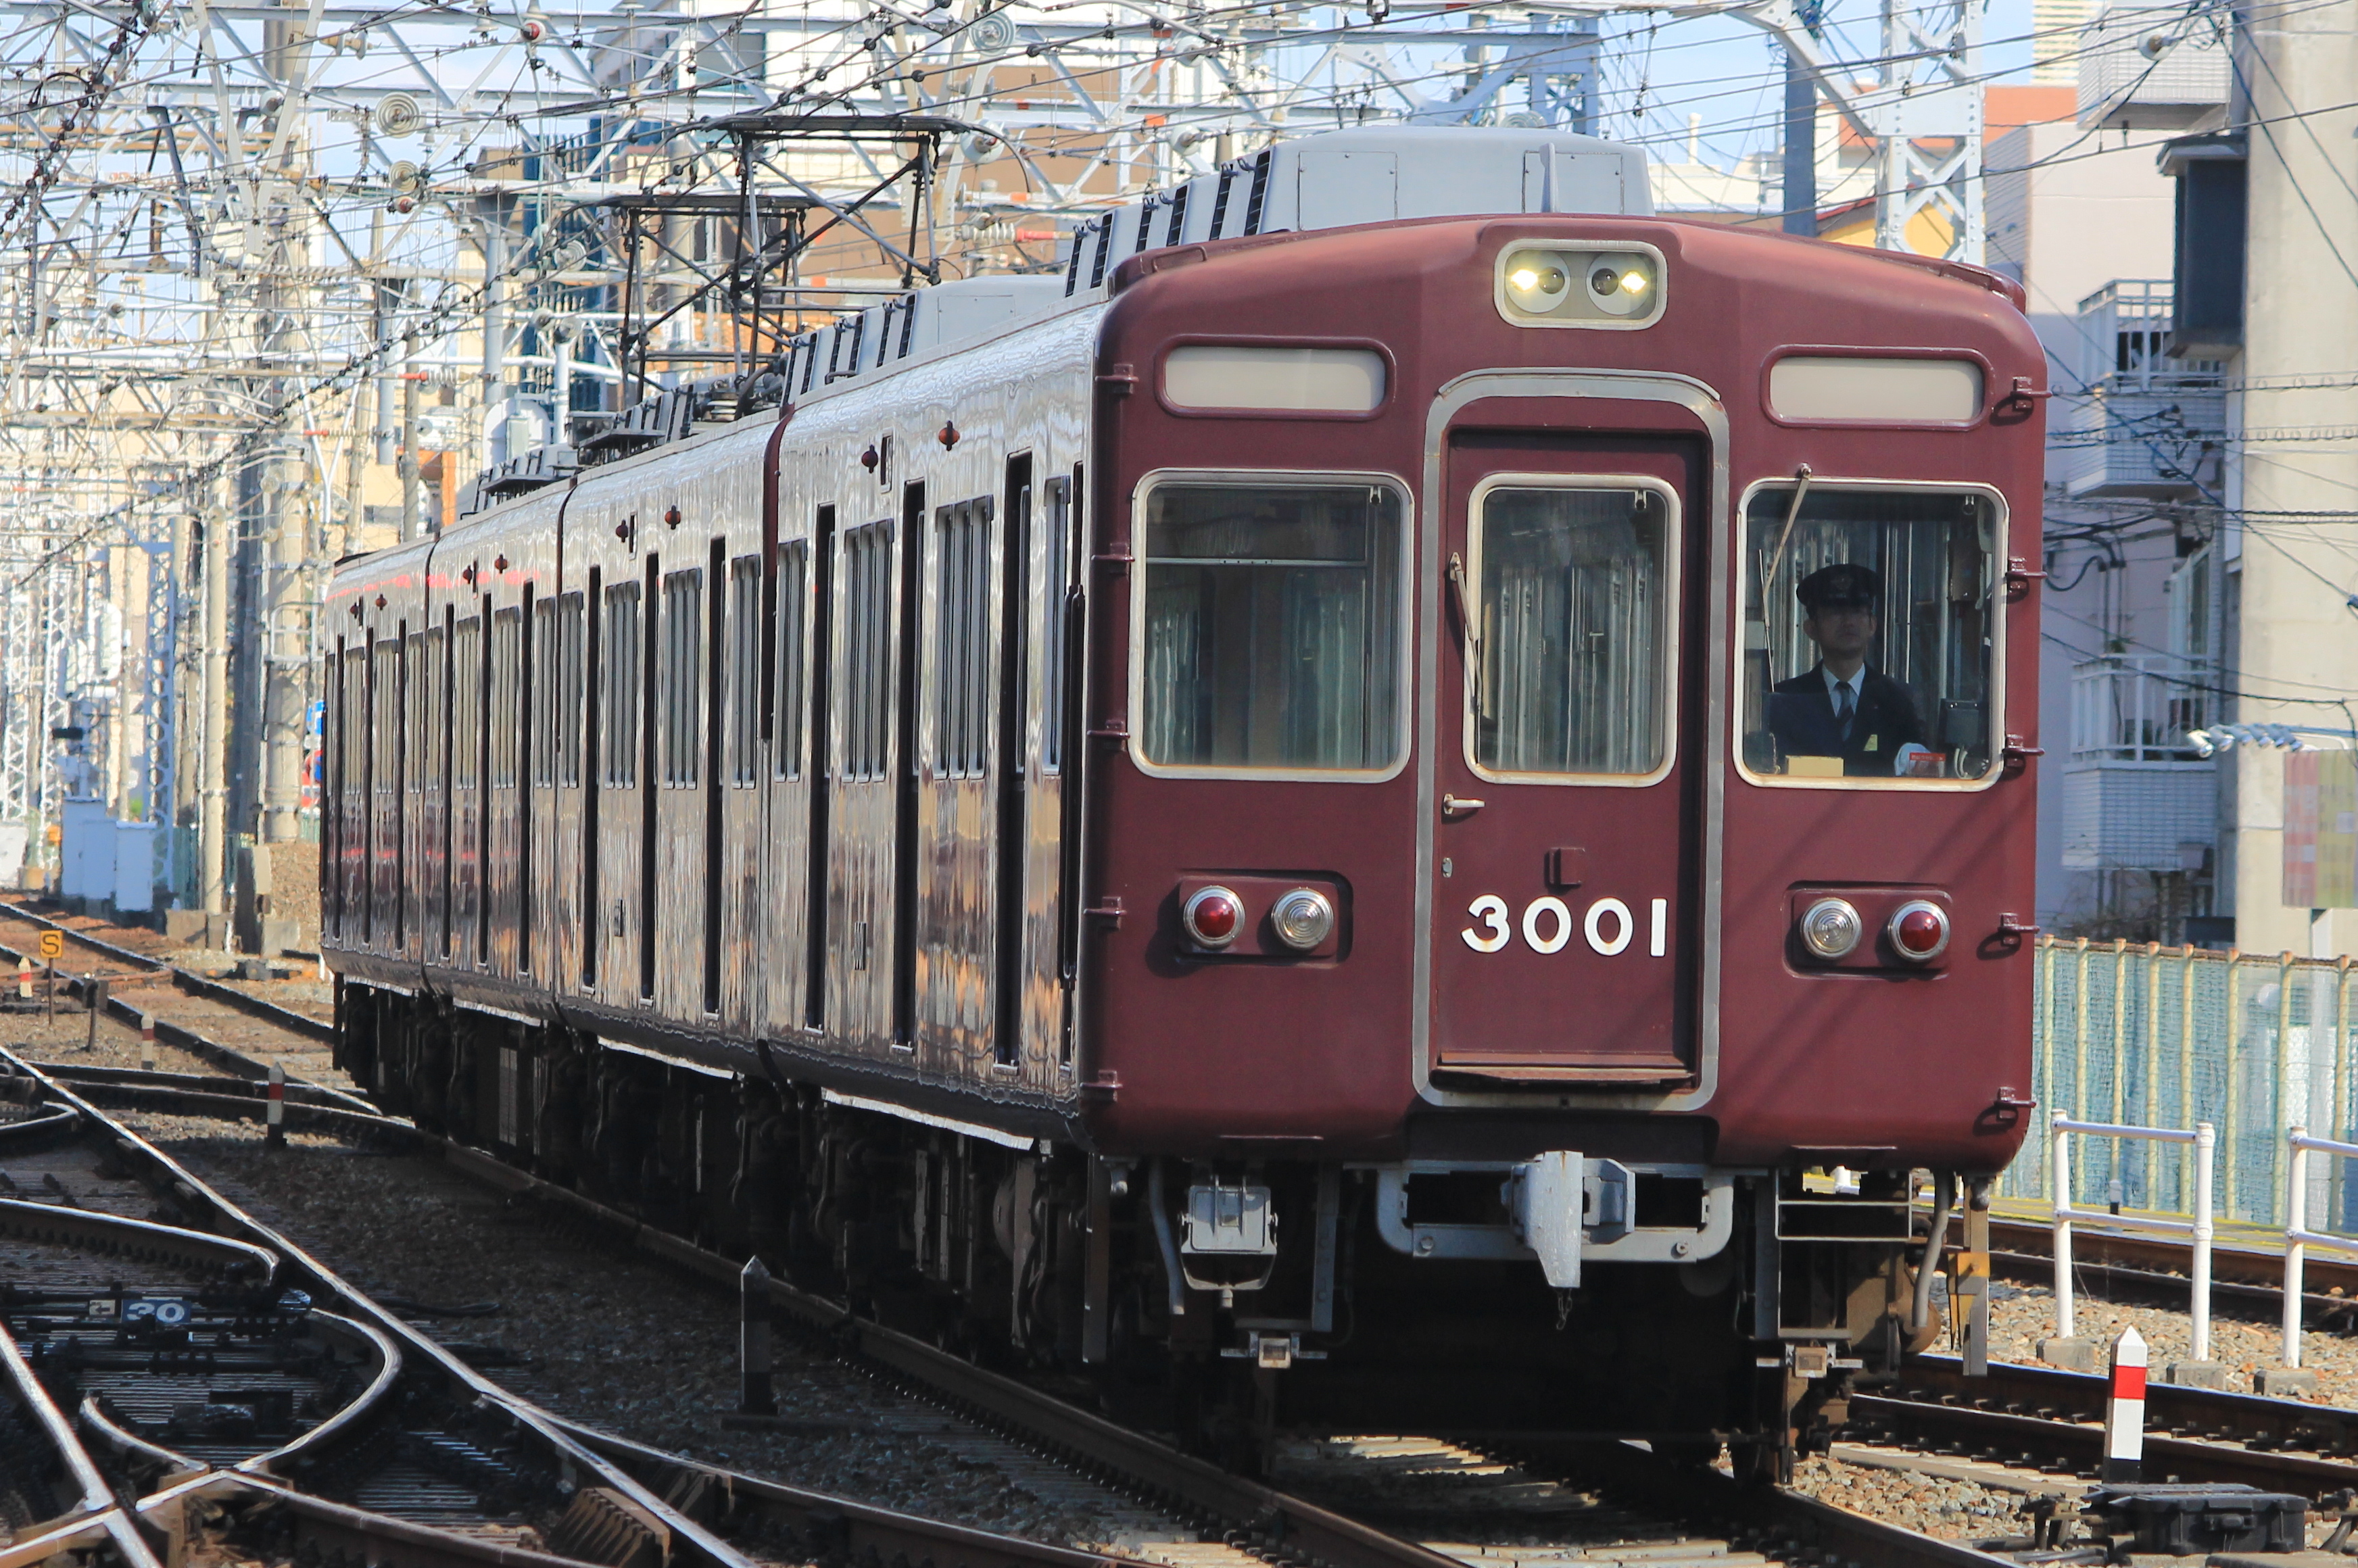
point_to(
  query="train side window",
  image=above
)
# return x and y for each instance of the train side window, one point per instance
(507, 695)
(794, 609)
(385, 710)
(745, 669)
(1871, 632)
(679, 681)
(618, 732)
(430, 682)
(414, 744)
(867, 649)
(1574, 590)
(544, 712)
(1052, 626)
(569, 674)
(1272, 615)
(353, 736)
(466, 656)
(961, 639)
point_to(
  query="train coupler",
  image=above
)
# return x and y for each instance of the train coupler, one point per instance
(1271, 1352)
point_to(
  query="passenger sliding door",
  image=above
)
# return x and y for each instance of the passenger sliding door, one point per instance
(1566, 839)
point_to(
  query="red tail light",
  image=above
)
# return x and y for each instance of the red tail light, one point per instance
(1214, 916)
(1919, 931)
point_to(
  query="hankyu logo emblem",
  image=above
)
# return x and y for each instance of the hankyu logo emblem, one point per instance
(1547, 926)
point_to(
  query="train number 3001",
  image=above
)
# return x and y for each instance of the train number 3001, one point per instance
(1547, 926)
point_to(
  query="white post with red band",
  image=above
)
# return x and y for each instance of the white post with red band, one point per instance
(276, 1117)
(24, 980)
(146, 1042)
(2124, 1413)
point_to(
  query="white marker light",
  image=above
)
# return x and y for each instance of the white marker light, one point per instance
(1831, 928)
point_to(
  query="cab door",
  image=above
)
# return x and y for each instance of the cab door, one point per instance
(1567, 845)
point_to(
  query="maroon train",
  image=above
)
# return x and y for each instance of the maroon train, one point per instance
(1266, 817)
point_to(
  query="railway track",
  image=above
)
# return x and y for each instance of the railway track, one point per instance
(1609, 1501)
(2045, 1419)
(2154, 1268)
(122, 967)
(230, 1382)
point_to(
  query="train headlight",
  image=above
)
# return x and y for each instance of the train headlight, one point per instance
(1918, 931)
(1536, 281)
(1562, 285)
(1304, 919)
(1213, 916)
(1831, 928)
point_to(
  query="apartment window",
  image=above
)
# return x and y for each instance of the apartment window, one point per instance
(961, 642)
(794, 610)
(679, 681)
(745, 670)
(619, 728)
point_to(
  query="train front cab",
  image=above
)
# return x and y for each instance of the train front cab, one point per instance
(1538, 983)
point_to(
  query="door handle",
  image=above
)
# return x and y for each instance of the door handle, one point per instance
(1451, 805)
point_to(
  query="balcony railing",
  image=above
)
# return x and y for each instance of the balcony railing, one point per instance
(2136, 707)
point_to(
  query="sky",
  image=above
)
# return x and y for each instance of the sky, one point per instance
(1658, 73)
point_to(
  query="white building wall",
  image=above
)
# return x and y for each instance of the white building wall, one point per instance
(2070, 212)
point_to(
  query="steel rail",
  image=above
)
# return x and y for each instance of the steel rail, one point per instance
(93, 1230)
(1277, 1525)
(88, 1230)
(368, 1404)
(336, 1531)
(232, 1101)
(21, 1135)
(696, 1543)
(2330, 1431)
(2238, 1273)
(298, 1091)
(1271, 1524)
(97, 1511)
(1770, 1516)
(2044, 1441)
(818, 1521)
(229, 1059)
(1284, 1525)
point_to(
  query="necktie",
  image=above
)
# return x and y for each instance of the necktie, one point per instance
(1843, 705)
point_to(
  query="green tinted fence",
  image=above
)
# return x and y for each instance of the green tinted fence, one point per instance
(2151, 1036)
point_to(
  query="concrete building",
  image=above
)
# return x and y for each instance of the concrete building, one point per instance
(2289, 542)
(2189, 244)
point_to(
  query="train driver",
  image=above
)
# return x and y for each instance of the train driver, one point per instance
(1844, 709)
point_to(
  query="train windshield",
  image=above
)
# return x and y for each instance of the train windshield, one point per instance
(1869, 633)
(1572, 597)
(1273, 621)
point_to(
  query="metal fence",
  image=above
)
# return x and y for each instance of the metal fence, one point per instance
(2153, 1036)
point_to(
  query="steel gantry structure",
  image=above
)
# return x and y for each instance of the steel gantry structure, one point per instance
(276, 280)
